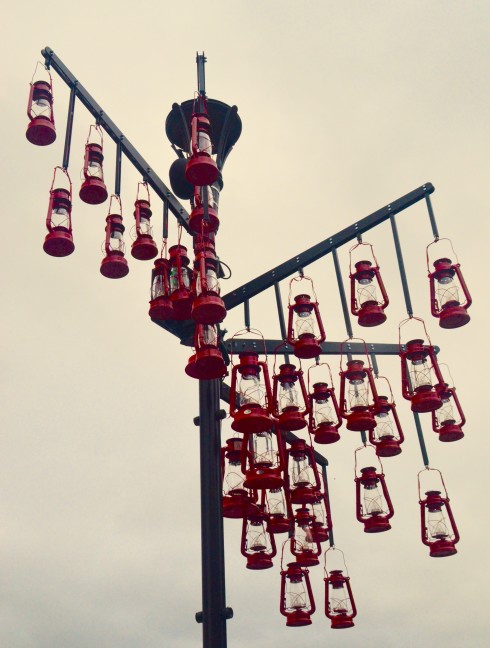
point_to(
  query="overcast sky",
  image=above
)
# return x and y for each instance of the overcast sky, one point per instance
(345, 107)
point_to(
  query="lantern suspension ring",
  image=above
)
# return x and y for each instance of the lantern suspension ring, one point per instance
(358, 393)
(445, 422)
(297, 603)
(114, 265)
(438, 527)
(161, 307)
(340, 606)
(93, 190)
(41, 130)
(449, 294)
(59, 239)
(324, 413)
(143, 247)
(387, 436)
(290, 404)
(305, 326)
(373, 503)
(201, 168)
(365, 282)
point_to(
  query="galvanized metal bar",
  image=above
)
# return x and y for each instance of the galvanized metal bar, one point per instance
(239, 345)
(420, 435)
(69, 127)
(117, 183)
(401, 266)
(246, 312)
(363, 437)
(343, 300)
(165, 221)
(280, 314)
(374, 362)
(286, 269)
(327, 497)
(116, 134)
(432, 218)
(201, 77)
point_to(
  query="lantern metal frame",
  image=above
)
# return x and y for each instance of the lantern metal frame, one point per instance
(387, 446)
(343, 619)
(93, 190)
(371, 312)
(41, 130)
(442, 546)
(373, 522)
(59, 239)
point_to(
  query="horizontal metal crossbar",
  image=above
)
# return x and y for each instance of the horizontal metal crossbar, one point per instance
(278, 347)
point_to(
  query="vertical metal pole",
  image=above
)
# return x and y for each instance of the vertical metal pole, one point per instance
(331, 541)
(117, 183)
(165, 221)
(69, 126)
(343, 299)
(214, 611)
(201, 78)
(401, 265)
(432, 218)
(246, 312)
(420, 435)
(280, 314)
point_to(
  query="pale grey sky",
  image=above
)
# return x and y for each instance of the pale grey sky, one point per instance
(345, 107)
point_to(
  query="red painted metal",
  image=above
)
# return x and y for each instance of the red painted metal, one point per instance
(114, 265)
(59, 239)
(297, 603)
(144, 247)
(305, 326)
(364, 284)
(93, 190)
(41, 130)
(289, 407)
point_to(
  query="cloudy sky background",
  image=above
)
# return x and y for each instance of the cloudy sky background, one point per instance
(345, 107)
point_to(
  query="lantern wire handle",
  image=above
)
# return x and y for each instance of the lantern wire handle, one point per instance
(275, 353)
(40, 63)
(301, 278)
(333, 548)
(448, 371)
(282, 552)
(378, 377)
(145, 185)
(410, 319)
(319, 364)
(245, 331)
(63, 170)
(365, 447)
(361, 244)
(97, 128)
(347, 342)
(116, 198)
(438, 240)
(431, 470)
(432, 218)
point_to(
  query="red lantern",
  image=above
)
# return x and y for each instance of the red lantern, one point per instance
(447, 287)
(114, 264)
(303, 544)
(258, 545)
(278, 510)
(373, 503)
(444, 420)
(236, 498)
(161, 307)
(297, 602)
(289, 409)
(93, 190)
(304, 321)
(143, 247)
(201, 169)
(303, 478)
(365, 303)
(59, 239)
(207, 307)
(387, 436)
(198, 223)
(323, 521)
(250, 395)
(340, 606)
(357, 383)
(439, 530)
(325, 419)
(263, 459)
(206, 363)
(41, 130)
(180, 282)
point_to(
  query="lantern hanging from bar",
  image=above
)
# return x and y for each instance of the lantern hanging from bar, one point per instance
(201, 168)
(258, 545)
(41, 130)
(143, 247)
(263, 459)
(365, 282)
(322, 523)
(199, 222)
(59, 239)
(387, 436)
(449, 295)
(290, 407)
(324, 414)
(358, 394)
(93, 190)
(420, 373)
(161, 307)
(439, 530)
(278, 510)
(207, 362)
(207, 307)
(445, 422)
(373, 503)
(340, 606)
(303, 479)
(180, 281)
(305, 326)
(303, 544)
(297, 603)
(114, 264)
(236, 498)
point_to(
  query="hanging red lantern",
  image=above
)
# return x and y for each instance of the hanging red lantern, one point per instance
(263, 459)
(449, 295)
(258, 545)
(439, 530)
(180, 281)
(207, 307)
(143, 247)
(207, 362)
(289, 408)
(322, 523)
(358, 394)
(387, 436)
(278, 510)
(93, 190)
(59, 239)
(303, 481)
(41, 130)
(236, 498)
(444, 420)
(364, 283)
(297, 603)
(114, 264)
(198, 223)
(303, 544)
(373, 503)
(324, 418)
(161, 307)
(340, 606)
(304, 322)
(201, 169)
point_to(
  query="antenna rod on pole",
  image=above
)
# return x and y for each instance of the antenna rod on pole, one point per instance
(201, 78)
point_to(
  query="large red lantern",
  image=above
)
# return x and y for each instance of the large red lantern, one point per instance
(258, 545)
(59, 239)
(207, 307)
(304, 547)
(297, 603)
(445, 422)
(236, 498)
(305, 326)
(373, 503)
(278, 510)
(201, 169)
(198, 223)
(439, 530)
(161, 307)
(324, 418)
(340, 606)
(387, 436)
(143, 247)
(303, 480)
(41, 130)
(449, 295)
(207, 362)
(290, 408)
(93, 190)
(114, 264)
(180, 282)
(358, 395)
(263, 459)
(365, 282)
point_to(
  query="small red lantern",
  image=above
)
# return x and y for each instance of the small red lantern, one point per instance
(93, 190)
(258, 545)
(387, 436)
(297, 602)
(357, 382)
(263, 459)
(439, 530)
(114, 264)
(250, 395)
(207, 307)
(278, 510)
(303, 478)
(197, 220)
(207, 362)
(340, 606)
(201, 169)
(303, 544)
(373, 503)
(323, 520)
(161, 307)
(236, 498)
(304, 320)
(325, 419)
(41, 130)
(446, 286)
(59, 239)
(143, 247)
(364, 300)
(288, 409)
(180, 282)
(444, 421)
